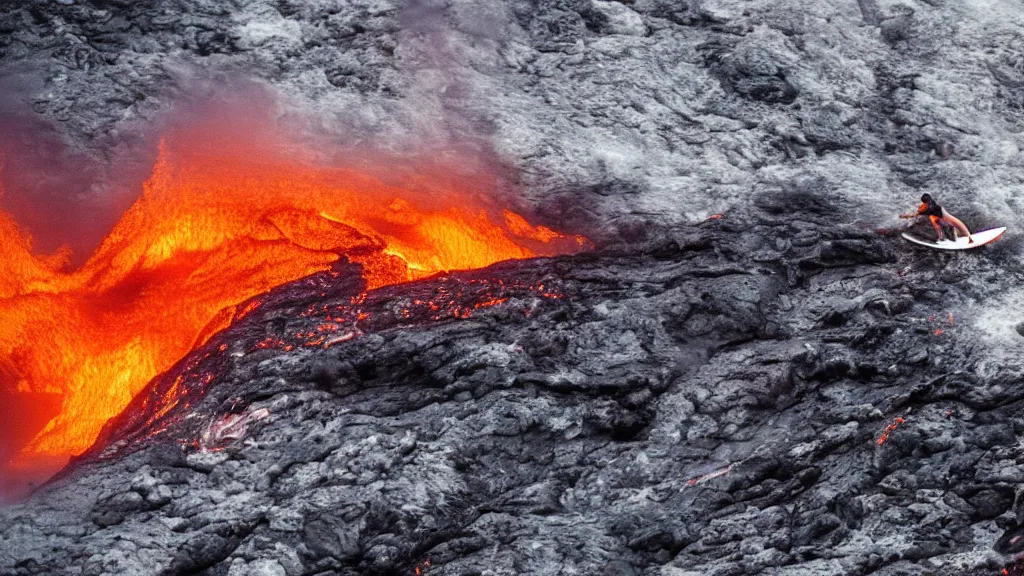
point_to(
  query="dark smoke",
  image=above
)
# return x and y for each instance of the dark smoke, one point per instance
(60, 195)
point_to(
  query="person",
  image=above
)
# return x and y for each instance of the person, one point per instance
(938, 216)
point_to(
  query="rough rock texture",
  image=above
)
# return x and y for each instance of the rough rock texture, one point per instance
(765, 393)
(659, 110)
(779, 391)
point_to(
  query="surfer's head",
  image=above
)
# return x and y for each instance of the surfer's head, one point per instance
(926, 198)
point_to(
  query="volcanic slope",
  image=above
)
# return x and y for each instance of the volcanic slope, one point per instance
(763, 393)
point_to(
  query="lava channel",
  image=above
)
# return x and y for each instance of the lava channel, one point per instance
(213, 228)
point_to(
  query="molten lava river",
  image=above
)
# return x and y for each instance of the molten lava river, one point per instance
(209, 231)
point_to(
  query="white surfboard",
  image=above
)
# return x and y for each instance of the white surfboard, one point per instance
(980, 239)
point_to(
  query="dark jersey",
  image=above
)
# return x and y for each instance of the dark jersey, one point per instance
(930, 209)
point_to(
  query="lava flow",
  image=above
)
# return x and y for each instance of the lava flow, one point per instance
(213, 228)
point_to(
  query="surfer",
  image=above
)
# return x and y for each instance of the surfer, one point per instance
(938, 216)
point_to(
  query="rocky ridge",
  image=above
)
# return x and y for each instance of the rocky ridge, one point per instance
(763, 393)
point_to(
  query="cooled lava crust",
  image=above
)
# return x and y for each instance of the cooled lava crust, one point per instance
(779, 391)
(765, 392)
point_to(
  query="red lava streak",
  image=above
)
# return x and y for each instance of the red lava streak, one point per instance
(459, 300)
(215, 226)
(889, 430)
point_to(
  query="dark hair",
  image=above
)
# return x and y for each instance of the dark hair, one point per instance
(926, 198)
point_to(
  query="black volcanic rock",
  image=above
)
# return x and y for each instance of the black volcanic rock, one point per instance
(787, 389)
(718, 402)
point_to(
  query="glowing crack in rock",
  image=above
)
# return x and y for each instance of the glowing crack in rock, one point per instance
(345, 322)
(884, 437)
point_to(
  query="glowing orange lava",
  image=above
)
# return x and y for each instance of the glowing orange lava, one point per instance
(211, 230)
(881, 440)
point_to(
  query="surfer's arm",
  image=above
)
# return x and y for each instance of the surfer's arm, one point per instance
(920, 210)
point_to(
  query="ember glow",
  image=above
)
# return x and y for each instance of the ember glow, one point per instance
(884, 437)
(450, 300)
(213, 228)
